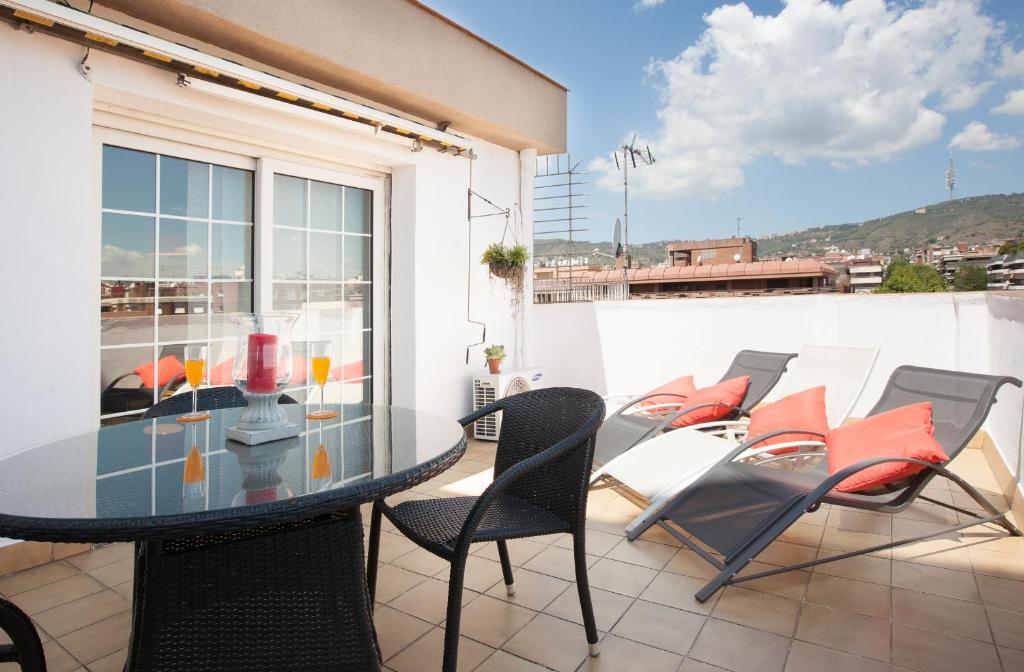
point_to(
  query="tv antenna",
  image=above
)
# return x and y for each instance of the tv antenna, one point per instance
(626, 156)
(738, 220)
(950, 176)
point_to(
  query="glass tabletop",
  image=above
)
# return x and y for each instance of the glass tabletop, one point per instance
(127, 480)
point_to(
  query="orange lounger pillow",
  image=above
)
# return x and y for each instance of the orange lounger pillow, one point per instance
(804, 410)
(725, 395)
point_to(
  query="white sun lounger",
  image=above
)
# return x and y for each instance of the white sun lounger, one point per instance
(662, 466)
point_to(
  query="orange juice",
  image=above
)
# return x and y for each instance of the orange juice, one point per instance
(321, 368)
(194, 370)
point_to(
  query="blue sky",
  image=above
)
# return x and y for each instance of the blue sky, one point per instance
(865, 132)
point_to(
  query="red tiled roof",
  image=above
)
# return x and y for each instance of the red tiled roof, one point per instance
(708, 272)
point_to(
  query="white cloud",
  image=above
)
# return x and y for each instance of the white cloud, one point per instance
(1012, 62)
(647, 4)
(1014, 103)
(977, 138)
(848, 84)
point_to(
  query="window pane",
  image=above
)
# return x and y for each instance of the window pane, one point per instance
(183, 249)
(170, 369)
(126, 313)
(184, 187)
(325, 310)
(289, 201)
(222, 361)
(325, 206)
(289, 255)
(288, 296)
(357, 306)
(357, 257)
(232, 194)
(129, 180)
(357, 210)
(325, 250)
(182, 312)
(229, 297)
(232, 250)
(128, 246)
(120, 389)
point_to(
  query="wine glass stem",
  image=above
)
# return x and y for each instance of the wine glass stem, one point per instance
(194, 400)
(321, 397)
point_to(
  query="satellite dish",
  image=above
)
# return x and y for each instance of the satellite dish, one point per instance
(617, 237)
(700, 259)
(736, 258)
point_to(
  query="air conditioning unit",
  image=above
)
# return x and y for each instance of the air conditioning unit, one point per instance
(488, 388)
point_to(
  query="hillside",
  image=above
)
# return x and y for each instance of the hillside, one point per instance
(980, 219)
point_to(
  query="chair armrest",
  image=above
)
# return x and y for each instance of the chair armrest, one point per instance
(492, 407)
(117, 380)
(690, 409)
(634, 402)
(835, 479)
(754, 452)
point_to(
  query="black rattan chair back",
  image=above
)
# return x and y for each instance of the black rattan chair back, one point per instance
(208, 399)
(25, 648)
(533, 422)
(764, 368)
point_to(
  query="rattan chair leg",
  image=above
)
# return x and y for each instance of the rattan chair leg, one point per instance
(583, 587)
(506, 568)
(454, 614)
(373, 552)
(26, 650)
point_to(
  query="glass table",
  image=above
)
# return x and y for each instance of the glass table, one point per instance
(247, 557)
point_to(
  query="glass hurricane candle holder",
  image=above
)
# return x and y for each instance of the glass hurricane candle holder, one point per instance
(263, 368)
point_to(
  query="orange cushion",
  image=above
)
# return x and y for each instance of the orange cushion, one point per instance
(729, 392)
(166, 369)
(804, 410)
(672, 392)
(902, 432)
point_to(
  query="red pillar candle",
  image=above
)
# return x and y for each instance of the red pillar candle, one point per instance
(261, 372)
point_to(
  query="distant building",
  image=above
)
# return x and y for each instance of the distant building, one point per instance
(948, 261)
(706, 252)
(865, 274)
(1006, 271)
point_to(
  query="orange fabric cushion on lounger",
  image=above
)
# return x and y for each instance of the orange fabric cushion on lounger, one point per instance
(169, 367)
(728, 392)
(671, 392)
(902, 432)
(803, 410)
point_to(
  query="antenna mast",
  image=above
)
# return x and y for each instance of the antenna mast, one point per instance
(638, 157)
(950, 176)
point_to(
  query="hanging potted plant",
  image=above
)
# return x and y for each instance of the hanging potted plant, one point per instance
(508, 263)
(494, 354)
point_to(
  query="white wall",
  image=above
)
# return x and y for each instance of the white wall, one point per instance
(49, 335)
(632, 346)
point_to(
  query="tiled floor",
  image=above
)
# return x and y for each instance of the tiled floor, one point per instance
(954, 603)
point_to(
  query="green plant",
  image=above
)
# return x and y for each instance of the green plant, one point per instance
(1012, 247)
(508, 262)
(495, 352)
(912, 278)
(970, 279)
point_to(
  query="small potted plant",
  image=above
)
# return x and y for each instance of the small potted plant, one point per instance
(508, 262)
(494, 354)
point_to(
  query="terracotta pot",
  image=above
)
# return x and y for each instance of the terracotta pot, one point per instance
(494, 365)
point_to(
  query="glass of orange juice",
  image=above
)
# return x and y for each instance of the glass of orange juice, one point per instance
(195, 371)
(320, 365)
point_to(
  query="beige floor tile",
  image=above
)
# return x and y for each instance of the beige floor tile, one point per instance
(689, 563)
(804, 534)
(427, 652)
(551, 642)
(643, 553)
(79, 613)
(533, 590)
(692, 665)
(791, 585)
(757, 610)
(739, 649)
(782, 554)
(933, 513)
(480, 575)
(620, 577)
(660, 626)
(115, 573)
(995, 563)
(1002, 593)
(500, 661)
(112, 663)
(1007, 626)
(393, 581)
(397, 630)
(848, 540)
(557, 562)
(860, 597)
(393, 545)
(608, 607)
(1012, 659)
(935, 580)
(57, 593)
(59, 659)
(804, 657)
(927, 651)
(621, 655)
(13, 584)
(994, 538)
(125, 589)
(867, 568)
(422, 561)
(859, 521)
(597, 542)
(677, 591)
(942, 614)
(493, 622)
(99, 639)
(843, 630)
(903, 528)
(520, 551)
(428, 601)
(941, 552)
(104, 555)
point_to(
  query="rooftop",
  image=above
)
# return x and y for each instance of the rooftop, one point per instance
(757, 269)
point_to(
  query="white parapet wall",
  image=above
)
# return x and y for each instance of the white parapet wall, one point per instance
(625, 347)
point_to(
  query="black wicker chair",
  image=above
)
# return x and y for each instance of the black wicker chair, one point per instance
(25, 649)
(541, 470)
(208, 399)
